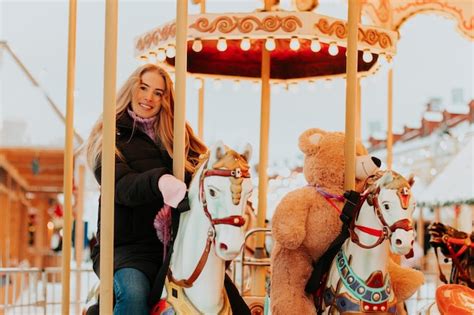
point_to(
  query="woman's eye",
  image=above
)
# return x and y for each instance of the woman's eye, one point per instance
(143, 88)
(159, 94)
(212, 192)
(386, 206)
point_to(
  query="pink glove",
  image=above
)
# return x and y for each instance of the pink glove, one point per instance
(172, 189)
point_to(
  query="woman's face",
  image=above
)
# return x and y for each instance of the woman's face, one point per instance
(146, 99)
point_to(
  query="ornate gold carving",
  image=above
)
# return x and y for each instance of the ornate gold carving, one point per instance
(370, 36)
(247, 24)
(382, 11)
(336, 27)
(156, 36)
(443, 6)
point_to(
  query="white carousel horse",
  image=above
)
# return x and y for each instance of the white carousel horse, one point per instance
(358, 281)
(209, 234)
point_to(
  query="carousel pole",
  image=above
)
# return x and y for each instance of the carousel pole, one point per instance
(108, 159)
(79, 244)
(201, 90)
(351, 94)
(390, 120)
(258, 286)
(68, 159)
(180, 104)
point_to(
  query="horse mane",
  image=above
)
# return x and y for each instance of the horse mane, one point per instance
(230, 161)
(397, 182)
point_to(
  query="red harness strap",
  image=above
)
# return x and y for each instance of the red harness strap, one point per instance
(368, 230)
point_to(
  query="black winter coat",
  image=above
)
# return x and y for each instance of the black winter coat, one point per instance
(137, 200)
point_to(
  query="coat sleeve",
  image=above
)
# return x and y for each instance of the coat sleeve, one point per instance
(133, 188)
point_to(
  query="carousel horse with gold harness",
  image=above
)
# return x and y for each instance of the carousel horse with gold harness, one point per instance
(209, 235)
(358, 281)
(457, 246)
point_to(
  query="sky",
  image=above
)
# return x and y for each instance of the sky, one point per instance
(432, 60)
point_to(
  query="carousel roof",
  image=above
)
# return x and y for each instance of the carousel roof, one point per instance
(302, 45)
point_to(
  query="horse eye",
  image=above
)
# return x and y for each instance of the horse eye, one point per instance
(212, 192)
(386, 206)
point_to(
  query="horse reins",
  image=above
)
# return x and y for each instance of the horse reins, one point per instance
(383, 234)
(466, 244)
(235, 220)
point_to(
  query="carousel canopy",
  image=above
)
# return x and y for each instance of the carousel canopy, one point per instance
(454, 185)
(303, 45)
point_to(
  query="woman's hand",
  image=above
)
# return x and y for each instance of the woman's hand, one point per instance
(172, 189)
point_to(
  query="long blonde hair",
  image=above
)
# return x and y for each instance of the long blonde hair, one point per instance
(194, 146)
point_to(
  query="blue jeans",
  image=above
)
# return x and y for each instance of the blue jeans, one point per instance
(131, 288)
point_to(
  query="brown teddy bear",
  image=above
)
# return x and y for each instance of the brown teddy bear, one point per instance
(305, 224)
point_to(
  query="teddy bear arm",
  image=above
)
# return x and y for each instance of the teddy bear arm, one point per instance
(405, 281)
(289, 220)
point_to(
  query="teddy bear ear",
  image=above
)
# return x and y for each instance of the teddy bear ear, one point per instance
(309, 140)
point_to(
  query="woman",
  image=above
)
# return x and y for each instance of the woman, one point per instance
(143, 182)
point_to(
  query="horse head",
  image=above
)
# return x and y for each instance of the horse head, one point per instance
(393, 202)
(224, 188)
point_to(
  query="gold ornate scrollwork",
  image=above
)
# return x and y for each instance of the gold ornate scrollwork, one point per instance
(370, 36)
(247, 24)
(154, 37)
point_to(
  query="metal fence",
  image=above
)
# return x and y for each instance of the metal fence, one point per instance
(38, 291)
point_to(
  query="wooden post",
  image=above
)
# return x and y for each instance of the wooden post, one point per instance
(180, 104)
(79, 237)
(390, 120)
(351, 94)
(68, 159)
(108, 159)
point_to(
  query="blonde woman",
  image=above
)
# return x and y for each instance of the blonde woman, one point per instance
(143, 183)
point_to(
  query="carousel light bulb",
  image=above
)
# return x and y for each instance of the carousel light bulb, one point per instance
(198, 83)
(170, 52)
(327, 83)
(161, 55)
(152, 57)
(311, 85)
(294, 88)
(333, 49)
(245, 44)
(315, 45)
(197, 45)
(221, 44)
(270, 44)
(236, 85)
(294, 44)
(143, 60)
(367, 56)
(255, 86)
(217, 84)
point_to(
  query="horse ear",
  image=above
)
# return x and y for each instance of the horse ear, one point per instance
(386, 178)
(217, 152)
(247, 154)
(411, 180)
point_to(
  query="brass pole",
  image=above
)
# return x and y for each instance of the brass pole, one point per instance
(180, 104)
(79, 237)
(108, 159)
(351, 94)
(68, 159)
(390, 120)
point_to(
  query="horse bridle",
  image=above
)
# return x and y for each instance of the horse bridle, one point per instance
(387, 230)
(235, 220)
